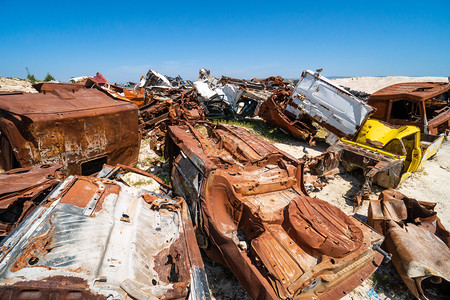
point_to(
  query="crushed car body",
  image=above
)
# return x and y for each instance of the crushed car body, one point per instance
(405, 143)
(253, 214)
(417, 240)
(80, 130)
(21, 191)
(423, 104)
(96, 238)
(231, 98)
(273, 111)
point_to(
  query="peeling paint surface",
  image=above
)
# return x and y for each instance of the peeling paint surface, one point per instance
(105, 235)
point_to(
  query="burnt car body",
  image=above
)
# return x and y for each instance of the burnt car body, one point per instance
(96, 238)
(273, 111)
(21, 190)
(253, 215)
(417, 240)
(423, 104)
(80, 130)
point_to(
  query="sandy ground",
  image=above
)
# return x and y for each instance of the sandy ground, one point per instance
(373, 84)
(15, 84)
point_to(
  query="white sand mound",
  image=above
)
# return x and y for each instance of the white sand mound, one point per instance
(373, 84)
(8, 84)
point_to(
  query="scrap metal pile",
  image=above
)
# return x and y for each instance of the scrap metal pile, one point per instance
(72, 227)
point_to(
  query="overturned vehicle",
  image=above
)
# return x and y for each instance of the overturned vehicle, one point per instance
(79, 129)
(387, 153)
(315, 99)
(97, 238)
(253, 214)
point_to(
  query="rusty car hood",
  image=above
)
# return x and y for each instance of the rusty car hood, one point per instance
(97, 238)
(328, 104)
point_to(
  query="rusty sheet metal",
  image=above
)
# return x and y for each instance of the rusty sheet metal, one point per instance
(416, 91)
(135, 96)
(273, 112)
(417, 240)
(167, 107)
(96, 238)
(253, 215)
(21, 190)
(423, 104)
(45, 87)
(80, 130)
(98, 78)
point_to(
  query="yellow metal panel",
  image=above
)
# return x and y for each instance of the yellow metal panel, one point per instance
(377, 133)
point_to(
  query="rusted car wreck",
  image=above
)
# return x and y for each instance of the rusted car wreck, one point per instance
(423, 104)
(96, 238)
(387, 153)
(79, 129)
(253, 215)
(417, 240)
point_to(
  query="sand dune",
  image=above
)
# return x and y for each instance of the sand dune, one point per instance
(373, 84)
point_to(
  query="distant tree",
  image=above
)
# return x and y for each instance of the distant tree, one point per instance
(31, 77)
(49, 77)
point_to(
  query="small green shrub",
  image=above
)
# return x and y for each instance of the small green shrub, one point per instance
(49, 77)
(31, 78)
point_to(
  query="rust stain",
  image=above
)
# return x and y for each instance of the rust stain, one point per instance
(171, 267)
(35, 250)
(60, 287)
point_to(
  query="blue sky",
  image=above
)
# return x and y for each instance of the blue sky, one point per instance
(122, 40)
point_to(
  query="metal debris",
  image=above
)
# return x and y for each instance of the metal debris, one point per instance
(417, 240)
(22, 190)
